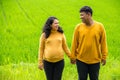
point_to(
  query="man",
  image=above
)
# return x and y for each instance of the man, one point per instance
(89, 46)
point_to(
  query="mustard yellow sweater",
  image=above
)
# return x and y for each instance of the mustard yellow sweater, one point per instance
(89, 43)
(52, 49)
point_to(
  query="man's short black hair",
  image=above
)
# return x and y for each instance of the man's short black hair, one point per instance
(86, 9)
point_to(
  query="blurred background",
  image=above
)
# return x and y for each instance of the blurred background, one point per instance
(21, 23)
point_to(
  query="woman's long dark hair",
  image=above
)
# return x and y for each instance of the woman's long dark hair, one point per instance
(47, 28)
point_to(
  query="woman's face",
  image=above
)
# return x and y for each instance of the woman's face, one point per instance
(55, 24)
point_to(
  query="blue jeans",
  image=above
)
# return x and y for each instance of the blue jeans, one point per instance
(84, 69)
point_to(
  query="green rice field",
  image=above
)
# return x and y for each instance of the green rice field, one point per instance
(21, 23)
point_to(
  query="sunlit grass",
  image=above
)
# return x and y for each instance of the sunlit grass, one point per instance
(30, 71)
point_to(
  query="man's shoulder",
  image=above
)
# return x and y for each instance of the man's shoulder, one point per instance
(78, 25)
(98, 23)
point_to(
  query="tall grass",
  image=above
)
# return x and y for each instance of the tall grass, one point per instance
(30, 71)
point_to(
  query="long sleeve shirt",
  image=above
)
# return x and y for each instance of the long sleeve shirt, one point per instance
(89, 43)
(52, 49)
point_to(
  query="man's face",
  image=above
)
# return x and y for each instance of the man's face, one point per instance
(84, 17)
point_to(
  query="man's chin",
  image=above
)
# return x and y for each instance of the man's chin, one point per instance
(83, 21)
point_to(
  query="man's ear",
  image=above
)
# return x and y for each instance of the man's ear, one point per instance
(89, 14)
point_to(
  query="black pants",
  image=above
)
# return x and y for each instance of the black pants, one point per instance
(53, 71)
(85, 69)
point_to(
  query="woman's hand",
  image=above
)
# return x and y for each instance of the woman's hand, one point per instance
(40, 66)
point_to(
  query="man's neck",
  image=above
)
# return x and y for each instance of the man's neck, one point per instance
(89, 22)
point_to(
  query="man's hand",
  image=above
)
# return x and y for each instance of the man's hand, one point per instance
(103, 62)
(40, 66)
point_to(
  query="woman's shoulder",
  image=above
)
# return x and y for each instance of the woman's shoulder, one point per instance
(43, 35)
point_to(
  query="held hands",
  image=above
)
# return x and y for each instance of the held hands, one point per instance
(73, 61)
(40, 66)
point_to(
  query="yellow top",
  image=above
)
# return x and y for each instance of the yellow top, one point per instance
(89, 43)
(52, 49)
